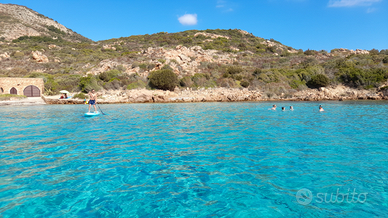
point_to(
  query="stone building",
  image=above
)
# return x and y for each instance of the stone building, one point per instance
(30, 87)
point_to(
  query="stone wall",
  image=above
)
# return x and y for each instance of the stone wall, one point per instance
(6, 84)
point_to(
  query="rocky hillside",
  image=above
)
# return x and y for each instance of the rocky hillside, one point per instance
(17, 21)
(199, 59)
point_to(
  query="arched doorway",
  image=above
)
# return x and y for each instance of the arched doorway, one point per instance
(13, 91)
(31, 91)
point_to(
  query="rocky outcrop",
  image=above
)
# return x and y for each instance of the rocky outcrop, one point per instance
(159, 96)
(278, 45)
(188, 59)
(186, 95)
(39, 57)
(5, 55)
(336, 93)
(339, 93)
(182, 60)
(346, 52)
(211, 35)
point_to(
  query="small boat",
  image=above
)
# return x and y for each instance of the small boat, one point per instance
(92, 114)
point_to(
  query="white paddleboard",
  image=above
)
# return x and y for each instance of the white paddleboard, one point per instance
(92, 114)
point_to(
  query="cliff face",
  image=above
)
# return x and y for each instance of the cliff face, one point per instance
(17, 21)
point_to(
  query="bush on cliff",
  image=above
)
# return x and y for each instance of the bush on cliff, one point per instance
(136, 85)
(385, 60)
(317, 81)
(163, 79)
(186, 82)
(356, 77)
(109, 75)
(244, 84)
(88, 83)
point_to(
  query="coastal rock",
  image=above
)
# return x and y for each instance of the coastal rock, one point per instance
(5, 55)
(39, 57)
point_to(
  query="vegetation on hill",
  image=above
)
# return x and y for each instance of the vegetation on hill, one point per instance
(258, 64)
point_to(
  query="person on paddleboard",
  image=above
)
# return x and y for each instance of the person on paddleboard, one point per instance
(92, 100)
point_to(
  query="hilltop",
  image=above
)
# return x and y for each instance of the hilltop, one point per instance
(17, 21)
(199, 58)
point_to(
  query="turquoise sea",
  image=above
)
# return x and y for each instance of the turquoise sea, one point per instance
(195, 160)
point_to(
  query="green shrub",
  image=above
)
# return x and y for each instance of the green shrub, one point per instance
(186, 82)
(310, 52)
(18, 54)
(317, 81)
(163, 79)
(80, 96)
(244, 84)
(234, 70)
(67, 82)
(167, 67)
(238, 77)
(88, 83)
(374, 52)
(271, 49)
(256, 72)
(136, 85)
(385, 60)
(5, 97)
(55, 30)
(200, 79)
(143, 66)
(356, 77)
(109, 75)
(114, 84)
(296, 84)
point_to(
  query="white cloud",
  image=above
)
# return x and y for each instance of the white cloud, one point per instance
(370, 10)
(225, 6)
(220, 4)
(350, 3)
(188, 19)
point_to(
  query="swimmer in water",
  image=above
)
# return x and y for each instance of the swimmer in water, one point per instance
(283, 109)
(321, 108)
(291, 108)
(273, 107)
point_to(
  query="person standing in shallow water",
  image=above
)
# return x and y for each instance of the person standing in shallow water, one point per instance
(283, 109)
(273, 107)
(291, 108)
(321, 108)
(92, 100)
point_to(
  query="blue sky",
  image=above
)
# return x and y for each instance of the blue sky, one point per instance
(302, 24)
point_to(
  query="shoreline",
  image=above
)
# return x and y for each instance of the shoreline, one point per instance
(77, 101)
(339, 93)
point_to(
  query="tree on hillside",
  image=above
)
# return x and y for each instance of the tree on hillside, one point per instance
(163, 79)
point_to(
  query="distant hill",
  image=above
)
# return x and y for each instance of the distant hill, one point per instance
(17, 21)
(232, 40)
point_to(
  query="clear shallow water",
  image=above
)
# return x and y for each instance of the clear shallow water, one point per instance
(194, 160)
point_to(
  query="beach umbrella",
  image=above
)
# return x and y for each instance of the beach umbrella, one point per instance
(64, 92)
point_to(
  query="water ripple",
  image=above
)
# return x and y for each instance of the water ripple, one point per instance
(192, 160)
